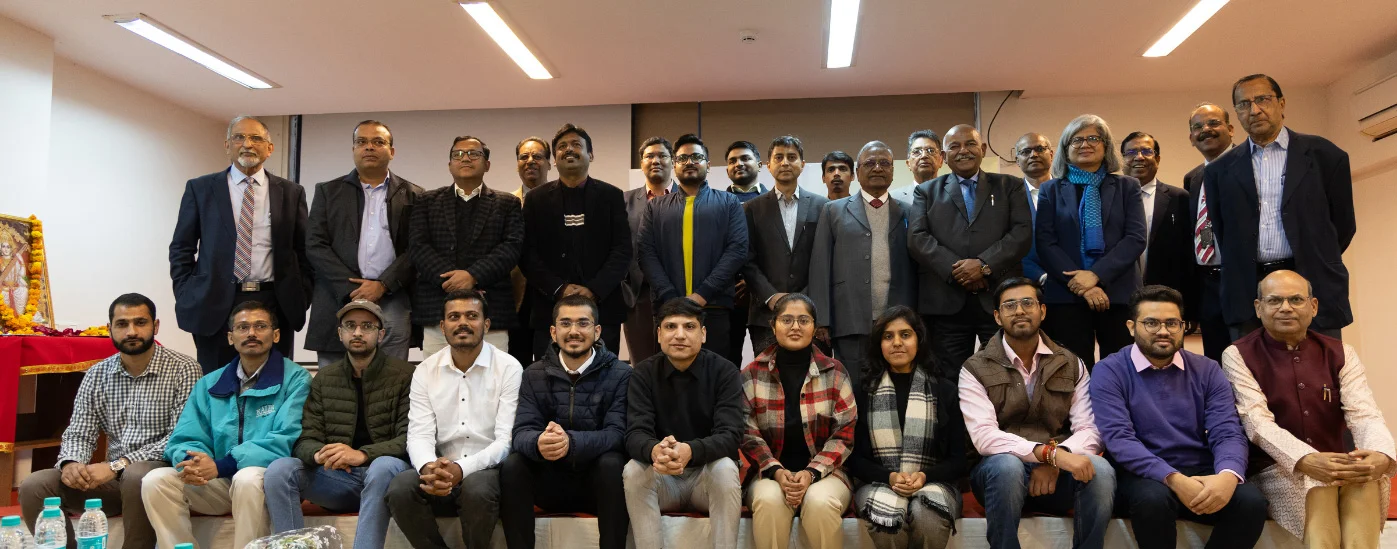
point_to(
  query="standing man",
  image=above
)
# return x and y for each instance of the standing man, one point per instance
(1034, 155)
(1282, 201)
(577, 241)
(465, 236)
(141, 376)
(743, 164)
(240, 236)
(781, 235)
(239, 419)
(693, 243)
(837, 171)
(923, 160)
(860, 265)
(969, 231)
(533, 165)
(1210, 131)
(357, 242)
(1168, 257)
(657, 165)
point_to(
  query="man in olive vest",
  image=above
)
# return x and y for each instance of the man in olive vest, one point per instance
(1018, 395)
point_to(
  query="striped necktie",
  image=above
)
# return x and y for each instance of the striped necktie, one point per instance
(1203, 243)
(242, 264)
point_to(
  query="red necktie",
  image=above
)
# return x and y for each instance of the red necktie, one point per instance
(876, 203)
(1203, 244)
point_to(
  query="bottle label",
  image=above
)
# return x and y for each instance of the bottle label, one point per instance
(92, 542)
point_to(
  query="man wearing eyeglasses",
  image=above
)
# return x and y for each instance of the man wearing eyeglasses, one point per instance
(357, 242)
(240, 236)
(1168, 256)
(1282, 201)
(969, 231)
(924, 160)
(1034, 154)
(465, 236)
(533, 157)
(693, 243)
(353, 433)
(657, 165)
(1210, 131)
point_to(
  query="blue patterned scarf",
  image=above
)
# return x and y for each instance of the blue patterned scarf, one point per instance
(1093, 244)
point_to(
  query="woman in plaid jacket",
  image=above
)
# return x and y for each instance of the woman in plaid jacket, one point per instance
(800, 429)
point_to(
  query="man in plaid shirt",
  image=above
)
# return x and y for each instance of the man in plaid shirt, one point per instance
(135, 397)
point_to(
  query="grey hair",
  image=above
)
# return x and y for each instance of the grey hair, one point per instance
(871, 145)
(1112, 159)
(242, 117)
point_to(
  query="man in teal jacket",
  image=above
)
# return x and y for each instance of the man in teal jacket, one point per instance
(238, 420)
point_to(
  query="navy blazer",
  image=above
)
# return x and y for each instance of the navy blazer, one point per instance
(205, 239)
(1031, 268)
(1058, 233)
(1317, 215)
(720, 246)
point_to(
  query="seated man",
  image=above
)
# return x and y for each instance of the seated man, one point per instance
(1319, 491)
(1169, 421)
(463, 403)
(239, 419)
(353, 433)
(142, 377)
(581, 384)
(686, 418)
(1026, 406)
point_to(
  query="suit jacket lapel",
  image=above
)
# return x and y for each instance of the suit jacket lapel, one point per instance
(855, 207)
(982, 194)
(484, 212)
(1243, 174)
(803, 208)
(1297, 165)
(774, 221)
(950, 185)
(1161, 208)
(223, 202)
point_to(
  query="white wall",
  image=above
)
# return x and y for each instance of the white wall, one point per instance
(26, 92)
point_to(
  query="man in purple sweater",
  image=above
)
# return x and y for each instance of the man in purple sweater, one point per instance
(1169, 422)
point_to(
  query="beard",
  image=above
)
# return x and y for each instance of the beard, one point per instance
(1148, 348)
(124, 347)
(366, 353)
(248, 161)
(575, 354)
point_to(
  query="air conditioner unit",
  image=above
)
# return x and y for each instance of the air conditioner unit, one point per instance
(1375, 106)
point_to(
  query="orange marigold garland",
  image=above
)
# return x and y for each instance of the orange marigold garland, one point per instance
(14, 323)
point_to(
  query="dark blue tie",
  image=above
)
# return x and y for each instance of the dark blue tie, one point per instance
(967, 189)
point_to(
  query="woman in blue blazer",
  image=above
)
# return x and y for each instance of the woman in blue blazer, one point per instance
(1090, 233)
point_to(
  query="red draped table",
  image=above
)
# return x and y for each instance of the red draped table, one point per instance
(35, 355)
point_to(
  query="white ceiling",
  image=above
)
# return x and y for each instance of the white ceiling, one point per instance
(353, 55)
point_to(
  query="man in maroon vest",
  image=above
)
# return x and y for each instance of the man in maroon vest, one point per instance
(1298, 392)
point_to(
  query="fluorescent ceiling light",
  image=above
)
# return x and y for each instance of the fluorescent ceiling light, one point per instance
(152, 30)
(486, 17)
(1201, 12)
(843, 24)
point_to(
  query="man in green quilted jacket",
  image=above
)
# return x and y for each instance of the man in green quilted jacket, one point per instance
(353, 437)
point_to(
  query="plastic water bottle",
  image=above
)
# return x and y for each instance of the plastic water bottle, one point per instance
(52, 531)
(52, 503)
(91, 529)
(185, 546)
(13, 535)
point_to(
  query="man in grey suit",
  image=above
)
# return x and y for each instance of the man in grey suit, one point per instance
(855, 276)
(657, 165)
(357, 245)
(970, 230)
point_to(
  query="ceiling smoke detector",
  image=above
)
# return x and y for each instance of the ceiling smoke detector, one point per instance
(747, 36)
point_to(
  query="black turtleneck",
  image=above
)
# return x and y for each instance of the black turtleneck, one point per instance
(794, 367)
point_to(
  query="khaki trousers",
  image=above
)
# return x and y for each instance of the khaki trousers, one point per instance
(1343, 517)
(168, 502)
(821, 514)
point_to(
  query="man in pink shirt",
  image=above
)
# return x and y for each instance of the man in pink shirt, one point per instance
(1028, 412)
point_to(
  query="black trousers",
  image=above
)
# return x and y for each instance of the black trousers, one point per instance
(953, 336)
(562, 487)
(719, 324)
(849, 350)
(1153, 508)
(737, 334)
(640, 327)
(476, 501)
(610, 335)
(1210, 322)
(1080, 329)
(213, 350)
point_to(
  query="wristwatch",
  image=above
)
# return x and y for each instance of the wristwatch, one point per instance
(985, 268)
(119, 465)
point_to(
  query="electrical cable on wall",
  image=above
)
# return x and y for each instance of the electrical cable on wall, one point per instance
(990, 127)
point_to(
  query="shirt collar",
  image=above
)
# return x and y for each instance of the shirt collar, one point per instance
(151, 367)
(1141, 363)
(583, 367)
(383, 185)
(1282, 141)
(1150, 187)
(483, 360)
(243, 377)
(467, 196)
(237, 176)
(782, 197)
(869, 198)
(1014, 357)
(973, 179)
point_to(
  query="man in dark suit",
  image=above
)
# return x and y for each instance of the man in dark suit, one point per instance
(855, 276)
(969, 231)
(240, 236)
(780, 237)
(744, 163)
(1034, 154)
(657, 165)
(533, 159)
(1210, 131)
(577, 241)
(465, 236)
(357, 245)
(1284, 201)
(1168, 253)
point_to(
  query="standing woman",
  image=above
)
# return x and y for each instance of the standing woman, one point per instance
(909, 443)
(1090, 233)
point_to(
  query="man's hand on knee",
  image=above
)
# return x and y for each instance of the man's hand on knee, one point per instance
(74, 475)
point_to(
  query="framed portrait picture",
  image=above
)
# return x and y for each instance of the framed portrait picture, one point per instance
(17, 284)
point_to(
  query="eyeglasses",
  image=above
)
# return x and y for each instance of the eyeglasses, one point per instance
(1210, 124)
(1142, 153)
(535, 157)
(657, 156)
(1152, 325)
(1028, 151)
(240, 138)
(788, 321)
(1080, 142)
(377, 142)
(923, 151)
(690, 158)
(1011, 306)
(1274, 301)
(1263, 101)
(474, 154)
(245, 328)
(580, 324)
(870, 164)
(351, 327)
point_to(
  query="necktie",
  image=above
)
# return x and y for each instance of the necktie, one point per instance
(876, 203)
(1203, 245)
(242, 264)
(967, 189)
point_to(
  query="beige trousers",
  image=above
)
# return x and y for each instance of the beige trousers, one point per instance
(1343, 517)
(821, 514)
(168, 501)
(433, 340)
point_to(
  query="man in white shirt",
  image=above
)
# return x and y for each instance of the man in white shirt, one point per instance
(1168, 256)
(462, 412)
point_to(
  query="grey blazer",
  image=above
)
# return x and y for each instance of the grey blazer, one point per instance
(841, 265)
(999, 232)
(773, 266)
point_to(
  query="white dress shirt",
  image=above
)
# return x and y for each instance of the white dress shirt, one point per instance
(1268, 167)
(1032, 195)
(580, 369)
(466, 417)
(790, 207)
(261, 221)
(1147, 195)
(376, 251)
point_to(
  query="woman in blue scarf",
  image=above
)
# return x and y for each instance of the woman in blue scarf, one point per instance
(1090, 233)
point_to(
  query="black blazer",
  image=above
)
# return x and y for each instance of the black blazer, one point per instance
(332, 244)
(773, 266)
(1317, 215)
(491, 251)
(204, 285)
(1169, 258)
(605, 258)
(999, 232)
(1059, 235)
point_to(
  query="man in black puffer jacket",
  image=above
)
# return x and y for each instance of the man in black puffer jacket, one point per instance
(568, 432)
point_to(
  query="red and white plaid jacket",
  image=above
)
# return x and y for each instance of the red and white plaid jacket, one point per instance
(826, 407)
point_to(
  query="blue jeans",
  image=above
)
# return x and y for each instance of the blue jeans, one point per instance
(1000, 482)
(289, 479)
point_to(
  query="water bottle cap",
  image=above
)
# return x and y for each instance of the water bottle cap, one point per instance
(93, 504)
(51, 513)
(185, 546)
(52, 502)
(9, 521)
